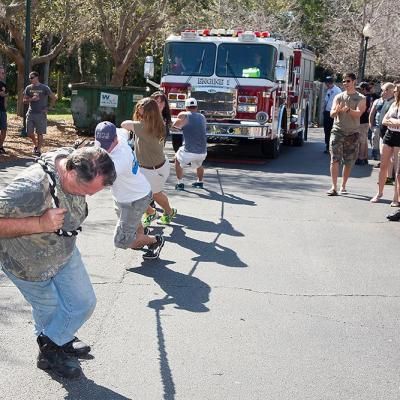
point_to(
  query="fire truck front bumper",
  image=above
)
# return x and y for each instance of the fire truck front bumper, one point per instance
(243, 130)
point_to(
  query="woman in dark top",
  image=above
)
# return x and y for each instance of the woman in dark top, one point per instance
(163, 106)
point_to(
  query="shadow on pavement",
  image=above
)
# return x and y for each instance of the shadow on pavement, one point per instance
(202, 225)
(228, 198)
(187, 292)
(207, 252)
(84, 388)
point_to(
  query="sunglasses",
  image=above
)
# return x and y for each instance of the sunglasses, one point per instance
(347, 81)
(32, 77)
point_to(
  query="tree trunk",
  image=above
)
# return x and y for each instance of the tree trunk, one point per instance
(119, 74)
(20, 87)
(59, 86)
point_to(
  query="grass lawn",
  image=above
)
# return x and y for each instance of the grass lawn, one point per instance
(61, 112)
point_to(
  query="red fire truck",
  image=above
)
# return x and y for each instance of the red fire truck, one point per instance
(249, 85)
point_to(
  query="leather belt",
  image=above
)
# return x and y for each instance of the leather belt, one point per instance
(155, 167)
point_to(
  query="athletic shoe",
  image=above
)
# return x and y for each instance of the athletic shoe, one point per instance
(147, 219)
(146, 230)
(167, 218)
(179, 186)
(36, 152)
(154, 249)
(76, 347)
(389, 181)
(394, 217)
(198, 185)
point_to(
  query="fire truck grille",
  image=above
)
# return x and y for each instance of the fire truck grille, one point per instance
(216, 104)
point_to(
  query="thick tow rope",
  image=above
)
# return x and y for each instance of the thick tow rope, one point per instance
(54, 197)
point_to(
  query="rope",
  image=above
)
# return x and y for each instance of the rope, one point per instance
(55, 200)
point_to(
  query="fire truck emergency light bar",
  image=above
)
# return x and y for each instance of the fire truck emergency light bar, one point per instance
(193, 33)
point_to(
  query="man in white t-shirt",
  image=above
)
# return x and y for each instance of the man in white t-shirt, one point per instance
(131, 192)
(331, 91)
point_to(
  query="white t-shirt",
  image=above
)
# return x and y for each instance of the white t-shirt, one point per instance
(329, 96)
(131, 184)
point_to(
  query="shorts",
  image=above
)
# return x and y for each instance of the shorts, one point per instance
(392, 138)
(185, 158)
(344, 147)
(36, 121)
(3, 120)
(157, 177)
(130, 215)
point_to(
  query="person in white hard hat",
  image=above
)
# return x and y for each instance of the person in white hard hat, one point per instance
(194, 148)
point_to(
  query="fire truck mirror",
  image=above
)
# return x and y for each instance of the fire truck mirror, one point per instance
(149, 67)
(280, 71)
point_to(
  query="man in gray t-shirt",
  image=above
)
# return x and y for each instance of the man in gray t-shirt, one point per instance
(194, 149)
(37, 95)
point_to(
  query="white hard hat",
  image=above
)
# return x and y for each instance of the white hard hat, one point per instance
(191, 102)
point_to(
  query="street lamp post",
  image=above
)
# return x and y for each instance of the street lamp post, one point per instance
(367, 33)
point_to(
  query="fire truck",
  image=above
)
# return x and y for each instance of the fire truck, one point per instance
(249, 85)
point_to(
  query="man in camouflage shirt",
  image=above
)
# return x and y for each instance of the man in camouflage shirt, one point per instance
(41, 211)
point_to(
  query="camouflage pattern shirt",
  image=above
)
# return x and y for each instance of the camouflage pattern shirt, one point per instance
(38, 257)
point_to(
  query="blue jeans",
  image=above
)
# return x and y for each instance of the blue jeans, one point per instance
(62, 304)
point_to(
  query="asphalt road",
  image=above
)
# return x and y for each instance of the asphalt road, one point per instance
(266, 289)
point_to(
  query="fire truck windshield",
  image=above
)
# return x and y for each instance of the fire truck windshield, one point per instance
(193, 59)
(246, 60)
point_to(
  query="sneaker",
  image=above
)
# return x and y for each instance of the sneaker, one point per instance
(198, 185)
(389, 181)
(36, 152)
(54, 358)
(377, 165)
(154, 249)
(147, 219)
(146, 230)
(167, 218)
(180, 186)
(394, 217)
(76, 347)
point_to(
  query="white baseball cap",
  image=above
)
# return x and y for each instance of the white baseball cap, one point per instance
(191, 102)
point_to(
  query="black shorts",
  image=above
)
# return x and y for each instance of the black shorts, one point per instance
(392, 138)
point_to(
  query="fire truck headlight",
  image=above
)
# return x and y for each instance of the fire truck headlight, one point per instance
(247, 108)
(179, 105)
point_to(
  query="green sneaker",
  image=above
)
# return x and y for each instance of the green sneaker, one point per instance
(167, 218)
(148, 218)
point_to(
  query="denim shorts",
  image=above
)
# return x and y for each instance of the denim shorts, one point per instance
(130, 215)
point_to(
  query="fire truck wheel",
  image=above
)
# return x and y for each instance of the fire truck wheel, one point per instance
(176, 142)
(270, 148)
(299, 141)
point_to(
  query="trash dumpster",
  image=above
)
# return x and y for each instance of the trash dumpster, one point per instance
(91, 104)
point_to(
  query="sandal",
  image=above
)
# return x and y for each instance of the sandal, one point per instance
(343, 191)
(394, 204)
(376, 198)
(332, 192)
